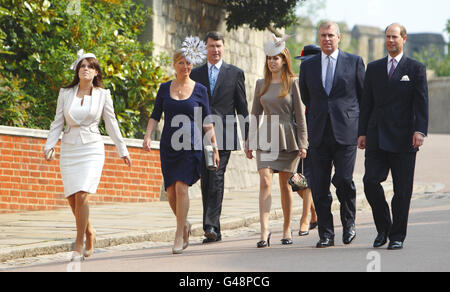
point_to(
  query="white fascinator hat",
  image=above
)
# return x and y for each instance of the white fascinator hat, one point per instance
(274, 46)
(80, 57)
(194, 50)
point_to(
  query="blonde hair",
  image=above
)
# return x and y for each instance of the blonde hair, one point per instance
(287, 75)
(178, 55)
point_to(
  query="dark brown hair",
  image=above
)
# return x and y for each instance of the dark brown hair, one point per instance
(214, 35)
(98, 80)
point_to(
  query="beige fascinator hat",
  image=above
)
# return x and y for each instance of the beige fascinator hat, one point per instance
(275, 45)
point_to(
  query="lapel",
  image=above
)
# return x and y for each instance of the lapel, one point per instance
(95, 100)
(340, 66)
(204, 78)
(70, 96)
(384, 71)
(220, 78)
(317, 74)
(399, 70)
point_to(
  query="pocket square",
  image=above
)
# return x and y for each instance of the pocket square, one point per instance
(405, 78)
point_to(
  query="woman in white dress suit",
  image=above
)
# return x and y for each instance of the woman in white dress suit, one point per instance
(80, 107)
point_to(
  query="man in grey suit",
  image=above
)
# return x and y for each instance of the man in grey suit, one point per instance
(226, 90)
(331, 85)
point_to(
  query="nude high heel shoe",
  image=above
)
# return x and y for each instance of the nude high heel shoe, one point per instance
(186, 244)
(77, 257)
(88, 253)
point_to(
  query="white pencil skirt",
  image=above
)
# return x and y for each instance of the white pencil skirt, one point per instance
(81, 167)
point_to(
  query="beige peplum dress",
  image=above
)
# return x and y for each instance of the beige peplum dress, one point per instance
(274, 136)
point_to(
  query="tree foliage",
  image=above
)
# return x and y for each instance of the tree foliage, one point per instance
(39, 40)
(434, 59)
(261, 14)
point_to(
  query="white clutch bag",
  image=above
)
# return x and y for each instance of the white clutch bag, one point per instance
(209, 158)
(50, 155)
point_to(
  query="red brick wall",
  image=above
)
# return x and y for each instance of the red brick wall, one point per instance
(28, 182)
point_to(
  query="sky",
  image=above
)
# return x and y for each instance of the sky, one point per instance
(416, 15)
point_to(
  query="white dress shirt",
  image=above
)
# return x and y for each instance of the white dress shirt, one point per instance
(216, 72)
(334, 56)
(397, 60)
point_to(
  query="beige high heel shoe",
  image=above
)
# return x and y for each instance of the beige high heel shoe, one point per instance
(177, 250)
(88, 253)
(77, 257)
(186, 244)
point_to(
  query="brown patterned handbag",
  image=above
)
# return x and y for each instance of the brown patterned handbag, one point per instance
(298, 181)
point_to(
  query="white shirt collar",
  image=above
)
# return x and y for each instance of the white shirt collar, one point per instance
(334, 55)
(397, 58)
(218, 65)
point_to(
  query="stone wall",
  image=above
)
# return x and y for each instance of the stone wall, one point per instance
(369, 42)
(439, 94)
(173, 20)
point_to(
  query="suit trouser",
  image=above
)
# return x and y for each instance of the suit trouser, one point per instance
(402, 165)
(322, 160)
(213, 184)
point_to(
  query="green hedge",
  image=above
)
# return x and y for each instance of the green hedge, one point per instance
(39, 40)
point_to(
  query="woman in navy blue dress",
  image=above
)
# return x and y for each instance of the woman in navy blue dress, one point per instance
(185, 105)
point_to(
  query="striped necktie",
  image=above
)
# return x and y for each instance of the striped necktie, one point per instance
(391, 71)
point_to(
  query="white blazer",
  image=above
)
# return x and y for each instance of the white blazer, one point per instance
(102, 106)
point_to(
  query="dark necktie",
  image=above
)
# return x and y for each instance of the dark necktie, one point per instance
(391, 71)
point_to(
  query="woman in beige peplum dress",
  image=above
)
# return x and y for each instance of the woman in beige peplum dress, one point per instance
(278, 97)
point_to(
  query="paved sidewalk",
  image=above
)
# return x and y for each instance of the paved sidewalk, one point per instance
(30, 234)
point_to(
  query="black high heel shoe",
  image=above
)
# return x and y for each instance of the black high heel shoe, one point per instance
(313, 225)
(263, 243)
(286, 241)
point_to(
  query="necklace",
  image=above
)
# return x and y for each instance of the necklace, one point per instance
(178, 88)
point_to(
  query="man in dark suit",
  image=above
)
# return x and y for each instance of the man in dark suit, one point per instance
(331, 86)
(393, 124)
(226, 90)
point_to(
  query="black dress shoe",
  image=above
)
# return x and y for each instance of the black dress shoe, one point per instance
(210, 233)
(380, 240)
(349, 235)
(393, 245)
(326, 242)
(208, 240)
(313, 225)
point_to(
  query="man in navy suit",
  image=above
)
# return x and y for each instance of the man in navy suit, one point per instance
(227, 98)
(393, 124)
(331, 85)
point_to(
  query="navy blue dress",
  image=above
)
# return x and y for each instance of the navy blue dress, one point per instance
(181, 147)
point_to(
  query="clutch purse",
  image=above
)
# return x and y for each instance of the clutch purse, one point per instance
(209, 157)
(50, 155)
(298, 181)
